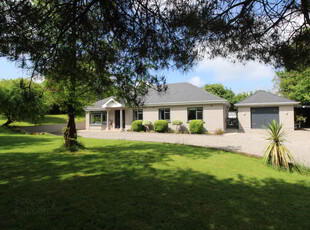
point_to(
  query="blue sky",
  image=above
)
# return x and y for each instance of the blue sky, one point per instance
(239, 77)
(10, 70)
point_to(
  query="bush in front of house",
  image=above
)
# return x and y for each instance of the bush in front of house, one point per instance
(137, 126)
(178, 124)
(161, 126)
(219, 131)
(147, 125)
(196, 126)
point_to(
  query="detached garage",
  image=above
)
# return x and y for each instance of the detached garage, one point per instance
(258, 110)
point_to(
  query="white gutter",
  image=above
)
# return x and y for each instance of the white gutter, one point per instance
(162, 104)
(186, 103)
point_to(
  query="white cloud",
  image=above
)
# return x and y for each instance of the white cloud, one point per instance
(222, 70)
(197, 81)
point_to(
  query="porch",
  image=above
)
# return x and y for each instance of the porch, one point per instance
(108, 119)
(111, 116)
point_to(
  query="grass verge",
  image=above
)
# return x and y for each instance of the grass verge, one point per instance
(136, 185)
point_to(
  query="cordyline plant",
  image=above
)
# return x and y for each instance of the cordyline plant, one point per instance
(277, 153)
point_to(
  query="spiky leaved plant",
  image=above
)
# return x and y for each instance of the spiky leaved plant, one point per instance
(276, 153)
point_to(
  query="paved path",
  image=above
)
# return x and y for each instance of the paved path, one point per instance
(249, 143)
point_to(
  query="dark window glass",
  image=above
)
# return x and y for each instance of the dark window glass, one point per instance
(167, 115)
(164, 114)
(140, 114)
(137, 114)
(95, 118)
(104, 117)
(195, 113)
(199, 113)
(191, 114)
(134, 116)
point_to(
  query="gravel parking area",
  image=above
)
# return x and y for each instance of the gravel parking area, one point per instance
(254, 143)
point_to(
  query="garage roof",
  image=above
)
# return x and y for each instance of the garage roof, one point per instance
(263, 98)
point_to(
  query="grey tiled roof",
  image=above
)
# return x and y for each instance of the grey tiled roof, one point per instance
(263, 97)
(181, 93)
(177, 93)
(98, 104)
(102, 102)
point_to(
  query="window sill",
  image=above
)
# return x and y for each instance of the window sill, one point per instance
(97, 124)
(169, 121)
(195, 120)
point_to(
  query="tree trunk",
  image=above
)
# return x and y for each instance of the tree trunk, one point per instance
(70, 134)
(8, 122)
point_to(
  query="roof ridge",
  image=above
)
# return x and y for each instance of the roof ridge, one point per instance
(174, 83)
(207, 92)
(274, 94)
(247, 99)
(250, 96)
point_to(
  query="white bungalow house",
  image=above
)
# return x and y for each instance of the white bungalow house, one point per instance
(181, 101)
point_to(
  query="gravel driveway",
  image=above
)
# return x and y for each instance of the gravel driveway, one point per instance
(298, 142)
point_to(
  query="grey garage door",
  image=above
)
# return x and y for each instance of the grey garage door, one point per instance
(263, 116)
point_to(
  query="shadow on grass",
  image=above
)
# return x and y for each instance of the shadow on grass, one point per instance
(116, 187)
(19, 141)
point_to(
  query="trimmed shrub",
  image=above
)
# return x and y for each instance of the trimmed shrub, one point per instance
(196, 127)
(178, 124)
(147, 125)
(137, 126)
(161, 126)
(219, 131)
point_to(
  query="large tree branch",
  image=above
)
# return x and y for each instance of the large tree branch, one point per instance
(305, 10)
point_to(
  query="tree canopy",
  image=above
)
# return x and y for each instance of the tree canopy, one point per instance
(226, 93)
(220, 90)
(19, 102)
(116, 43)
(58, 95)
(121, 37)
(295, 85)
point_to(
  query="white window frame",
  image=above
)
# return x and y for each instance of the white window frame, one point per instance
(196, 109)
(138, 111)
(165, 112)
(102, 122)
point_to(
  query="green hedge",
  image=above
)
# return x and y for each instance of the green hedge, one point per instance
(196, 126)
(137, 126)
(161, 126)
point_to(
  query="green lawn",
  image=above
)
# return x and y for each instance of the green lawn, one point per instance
(136, 185)
(48, 120)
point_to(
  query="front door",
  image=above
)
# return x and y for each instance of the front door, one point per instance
(117, 119)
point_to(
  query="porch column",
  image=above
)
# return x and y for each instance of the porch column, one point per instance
(121, 119)
(107, 128)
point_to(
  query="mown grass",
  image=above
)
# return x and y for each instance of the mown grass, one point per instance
(136, 185)
(47, 120)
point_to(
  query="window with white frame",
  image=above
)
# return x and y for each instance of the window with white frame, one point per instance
(98, 118)
(137, 114)
(164, 114)
(194, 113)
